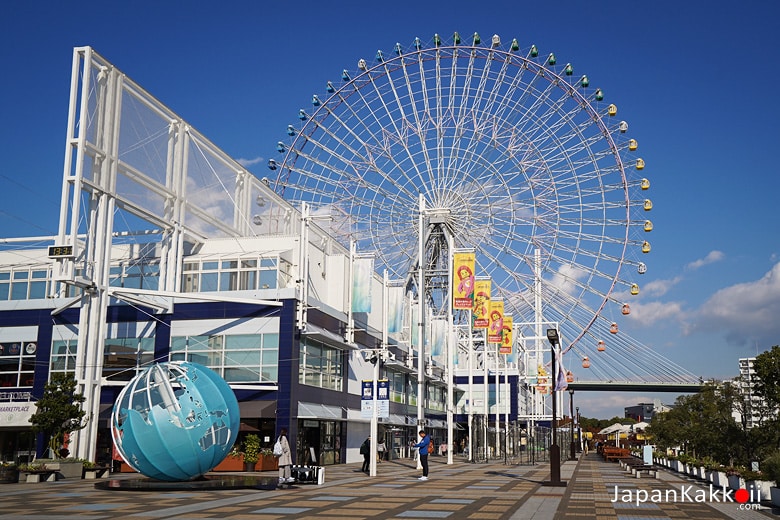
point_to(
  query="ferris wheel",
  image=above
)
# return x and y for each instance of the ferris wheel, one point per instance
(531, 165)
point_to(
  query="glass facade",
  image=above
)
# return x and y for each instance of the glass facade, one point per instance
(239, 358)
(321, 365)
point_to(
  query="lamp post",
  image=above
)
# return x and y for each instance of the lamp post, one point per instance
(572, 449)
(555, 450)
(579, 430)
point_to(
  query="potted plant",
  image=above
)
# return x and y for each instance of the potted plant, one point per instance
(9, 473)
(251, 450)
(771, 468)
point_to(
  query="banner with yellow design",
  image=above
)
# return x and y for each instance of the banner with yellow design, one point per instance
(495, 321)
(479, 312)
(463, 280)
(507, 339)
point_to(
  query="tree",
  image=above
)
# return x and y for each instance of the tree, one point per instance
(767, 367)
(59, 411)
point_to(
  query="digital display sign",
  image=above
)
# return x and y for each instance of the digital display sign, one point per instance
(60, 251)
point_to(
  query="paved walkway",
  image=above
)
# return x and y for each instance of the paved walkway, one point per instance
(457, 491)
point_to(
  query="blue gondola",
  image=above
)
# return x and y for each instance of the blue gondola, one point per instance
(280, 147)
(330, 88)
(302, 115)
(315, 100)
(271, 164)
(380, 57)
(290, 130)
(345, 75)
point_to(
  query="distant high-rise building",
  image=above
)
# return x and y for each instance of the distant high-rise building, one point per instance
(749, 410)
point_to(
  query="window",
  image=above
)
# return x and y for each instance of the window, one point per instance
(124, 358)
(24, 284)
(231, 274)
(239, 358)
(63, 356)
(320, 365)
(397, 382)
(17, 364)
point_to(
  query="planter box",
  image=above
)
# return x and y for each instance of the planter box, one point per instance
(230, 464)
(759, 490)
(736, 482)
(269, 463)
(774, 492)
(717, 478)
(9, 475)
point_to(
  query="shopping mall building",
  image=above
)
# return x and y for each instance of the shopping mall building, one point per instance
(168, 249)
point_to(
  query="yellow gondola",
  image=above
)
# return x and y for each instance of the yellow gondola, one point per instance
(645, 185)
(648, 204)
(645, 246)
(612, 110)
(648, 226)
(634, 289)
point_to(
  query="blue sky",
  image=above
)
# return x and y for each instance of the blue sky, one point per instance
(696, 81)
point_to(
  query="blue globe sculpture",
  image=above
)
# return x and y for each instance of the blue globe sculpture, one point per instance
(175, 421)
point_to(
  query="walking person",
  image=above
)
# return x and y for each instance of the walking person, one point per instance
(365, 450)
(380, 451)
(285, 459)
(423, 445)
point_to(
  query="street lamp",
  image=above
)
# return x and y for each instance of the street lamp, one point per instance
(555, 450)
(579, 430)
(572, 449)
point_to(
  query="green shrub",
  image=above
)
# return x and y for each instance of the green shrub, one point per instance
(771, 467)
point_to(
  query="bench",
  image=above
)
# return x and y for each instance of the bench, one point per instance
(40, 475)
(637, 466)
(97, 472)
(612, 454)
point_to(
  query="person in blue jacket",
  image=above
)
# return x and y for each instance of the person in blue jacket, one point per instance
(425, 440)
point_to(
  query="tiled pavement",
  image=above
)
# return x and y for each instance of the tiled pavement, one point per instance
(458, 491)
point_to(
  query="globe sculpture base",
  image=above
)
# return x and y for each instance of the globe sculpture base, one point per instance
(205, 483)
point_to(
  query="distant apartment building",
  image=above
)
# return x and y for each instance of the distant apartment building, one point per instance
(749, 410)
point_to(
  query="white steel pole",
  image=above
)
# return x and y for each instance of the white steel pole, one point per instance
(421, 321)
(451, 345)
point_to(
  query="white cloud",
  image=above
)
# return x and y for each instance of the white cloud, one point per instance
(744, 313)
(712, 257)
(659, 287)
(249, 162)
(654, 312)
